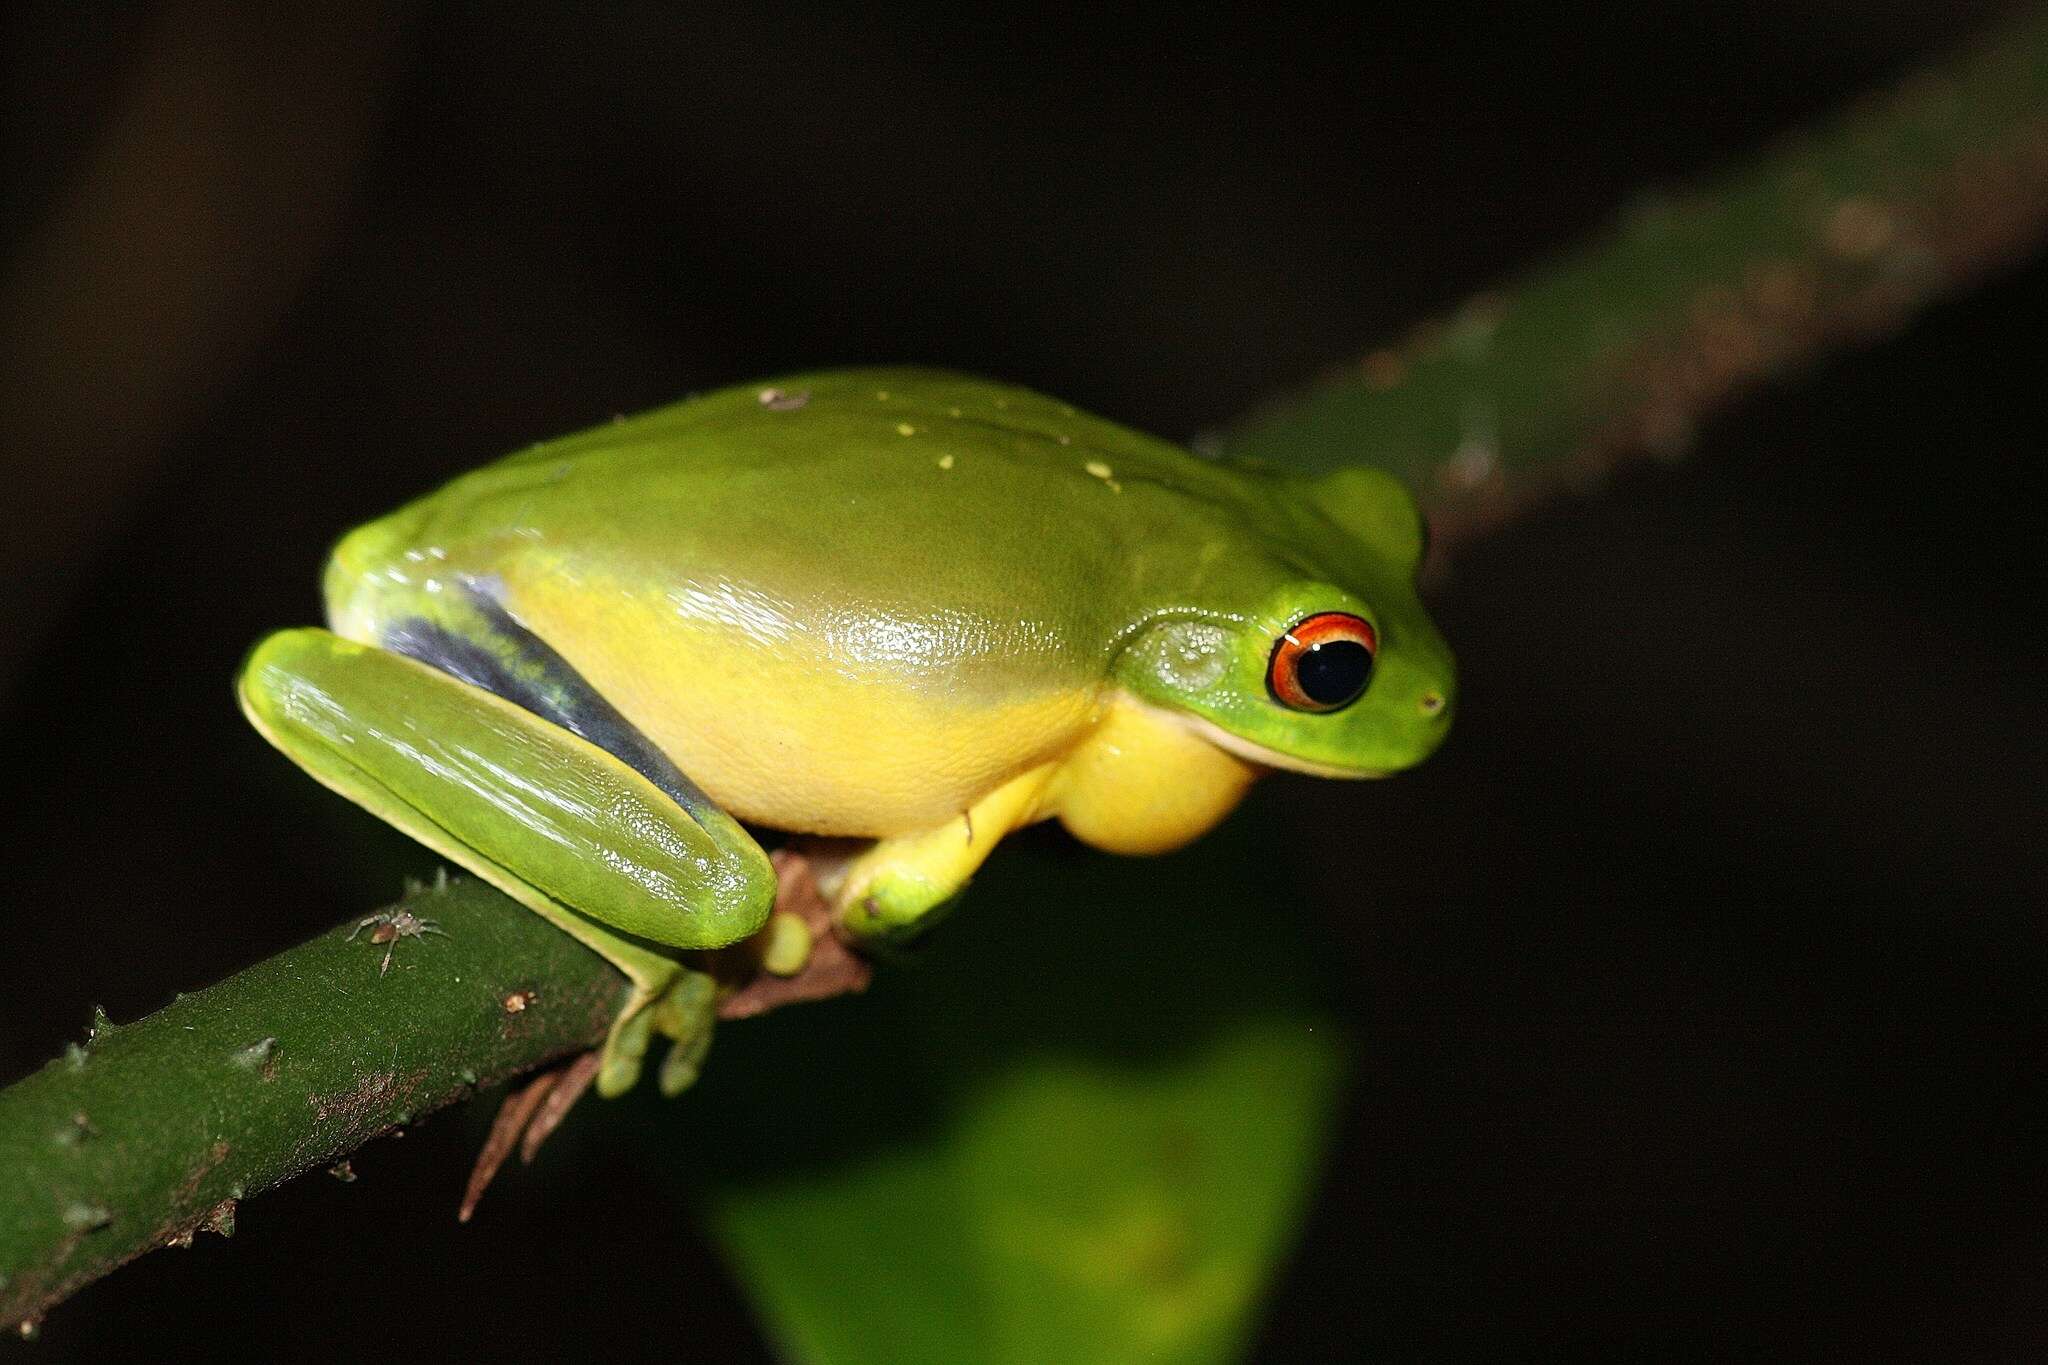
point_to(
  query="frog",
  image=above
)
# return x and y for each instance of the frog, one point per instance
(891, 614)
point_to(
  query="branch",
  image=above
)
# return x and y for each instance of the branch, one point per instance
(152, 1132)
(1837, 236)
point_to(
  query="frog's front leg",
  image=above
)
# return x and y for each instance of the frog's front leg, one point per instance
(552, 820)
(888, 892)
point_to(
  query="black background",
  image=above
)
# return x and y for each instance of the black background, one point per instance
(1697, 984)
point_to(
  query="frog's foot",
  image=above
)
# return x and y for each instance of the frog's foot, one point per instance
(799, 954)
(683, 1010)
(673, 1001)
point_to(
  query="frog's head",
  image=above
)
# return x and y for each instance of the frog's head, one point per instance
(1322, 659)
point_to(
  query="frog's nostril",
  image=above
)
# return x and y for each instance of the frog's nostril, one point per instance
(1430, 703)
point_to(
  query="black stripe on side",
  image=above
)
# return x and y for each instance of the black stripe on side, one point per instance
(548, 687)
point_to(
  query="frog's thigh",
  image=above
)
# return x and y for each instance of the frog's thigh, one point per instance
(891, 887)
(550, 819)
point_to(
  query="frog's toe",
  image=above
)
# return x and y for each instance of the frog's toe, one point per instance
(626, 1048)
(786, 942)
(686, 1013)
(679, 1070)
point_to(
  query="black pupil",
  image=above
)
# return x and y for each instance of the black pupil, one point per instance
(1333, 672)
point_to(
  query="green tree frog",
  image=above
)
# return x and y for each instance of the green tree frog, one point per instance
(905, 610)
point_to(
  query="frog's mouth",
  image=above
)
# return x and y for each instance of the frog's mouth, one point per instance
(1252, 752)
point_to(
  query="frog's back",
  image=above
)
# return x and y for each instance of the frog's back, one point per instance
(850, 602)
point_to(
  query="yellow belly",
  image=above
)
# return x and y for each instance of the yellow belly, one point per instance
(783, 738)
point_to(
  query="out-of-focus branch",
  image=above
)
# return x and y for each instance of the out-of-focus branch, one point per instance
(1836, 235)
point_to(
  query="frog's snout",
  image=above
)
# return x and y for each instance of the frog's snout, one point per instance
(1432, 702)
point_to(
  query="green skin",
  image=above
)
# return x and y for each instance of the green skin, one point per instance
(856, 548)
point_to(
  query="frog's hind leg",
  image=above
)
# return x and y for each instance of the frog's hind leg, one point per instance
(486, 646)
(551, 818)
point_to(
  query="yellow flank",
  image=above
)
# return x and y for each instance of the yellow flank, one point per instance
(781, 732)
(1142, 782)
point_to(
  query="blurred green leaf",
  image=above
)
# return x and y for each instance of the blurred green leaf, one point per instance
(1081, 1128)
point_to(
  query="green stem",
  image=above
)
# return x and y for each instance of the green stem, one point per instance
(149, 1132)
(1834, 236)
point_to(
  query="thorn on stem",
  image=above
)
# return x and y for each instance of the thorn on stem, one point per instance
(81, 1216)
(259, 1056)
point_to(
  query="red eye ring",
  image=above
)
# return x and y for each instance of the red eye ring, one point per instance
(1322, 662)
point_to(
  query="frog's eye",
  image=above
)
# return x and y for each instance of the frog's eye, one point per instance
(1323, 662)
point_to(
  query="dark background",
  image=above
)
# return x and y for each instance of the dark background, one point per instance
(1697, 985)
